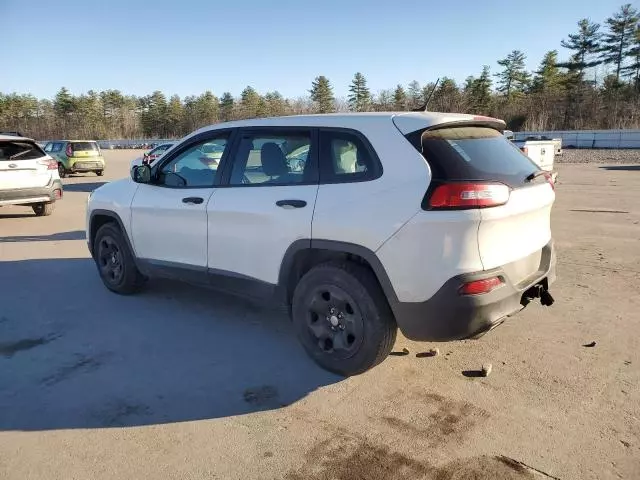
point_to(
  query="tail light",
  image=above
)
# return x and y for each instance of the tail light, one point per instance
(50, 163)
(69, 150)
(461, 196)
(479, 287)
(57, 194)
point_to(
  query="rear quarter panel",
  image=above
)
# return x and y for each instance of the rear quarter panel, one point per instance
(368, 213)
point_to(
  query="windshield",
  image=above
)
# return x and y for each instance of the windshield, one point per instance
(475, 153)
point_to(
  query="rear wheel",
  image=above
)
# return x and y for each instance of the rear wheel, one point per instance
(61, 170)
(99, 172)
(43, 209)
(342, 318)
(115, 261)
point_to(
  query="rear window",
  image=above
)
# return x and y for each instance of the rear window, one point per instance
(475, 153)
(19, 151)
(84, 146)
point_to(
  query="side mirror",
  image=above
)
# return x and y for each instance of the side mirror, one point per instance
(141, 174)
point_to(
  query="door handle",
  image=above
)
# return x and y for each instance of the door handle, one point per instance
(193, 200)
(291, 203)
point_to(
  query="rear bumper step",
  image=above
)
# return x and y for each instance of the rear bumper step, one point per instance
(448, 315)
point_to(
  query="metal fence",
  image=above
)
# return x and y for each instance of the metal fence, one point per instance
(590, 138)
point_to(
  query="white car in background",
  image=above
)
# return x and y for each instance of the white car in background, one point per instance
(28, 176)
(152, 155)
(362, 224)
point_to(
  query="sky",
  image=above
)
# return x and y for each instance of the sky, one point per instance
(189, 46)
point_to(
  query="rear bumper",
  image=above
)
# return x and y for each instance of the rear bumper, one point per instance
(28, 196)
(451, 316)
(86, 166)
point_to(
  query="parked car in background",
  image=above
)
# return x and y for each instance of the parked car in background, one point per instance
(541, 150)
(360, 223)
(28, 175)
(76, 156)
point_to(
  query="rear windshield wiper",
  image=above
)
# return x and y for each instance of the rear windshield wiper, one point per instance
(534, 175)
(19, 154)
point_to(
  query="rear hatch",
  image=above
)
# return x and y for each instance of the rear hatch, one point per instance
(83, 149)
(474, 166)
(23, 164)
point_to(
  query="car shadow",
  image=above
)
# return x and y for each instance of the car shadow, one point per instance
(630, 168)
(82, 187)
(78, 356)
(73, 235)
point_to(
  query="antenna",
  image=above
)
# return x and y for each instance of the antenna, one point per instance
(423, 108)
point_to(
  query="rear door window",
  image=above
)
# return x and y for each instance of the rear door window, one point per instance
(13, 151)
(84, 146)
(344, 157)
(475, 153)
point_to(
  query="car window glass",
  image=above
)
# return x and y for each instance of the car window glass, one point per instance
(278, 159)
(84, 146)
(345, 157)
(195, 167)
(56, 147)
(18, 150)
(48, 147)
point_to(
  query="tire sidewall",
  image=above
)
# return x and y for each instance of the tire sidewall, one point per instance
(128, 280)
(373, 328)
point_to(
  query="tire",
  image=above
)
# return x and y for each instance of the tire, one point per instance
(342, 318)
(43, 209)
(115, 262)
(62, 171)
(99, 172)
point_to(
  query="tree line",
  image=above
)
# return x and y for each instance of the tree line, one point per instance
(597, 86)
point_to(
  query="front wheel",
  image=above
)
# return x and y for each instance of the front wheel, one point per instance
(115, 261)
(43, 209)
(342, 318)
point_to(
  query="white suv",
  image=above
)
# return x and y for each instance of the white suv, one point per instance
(28, 176)
(361, 223)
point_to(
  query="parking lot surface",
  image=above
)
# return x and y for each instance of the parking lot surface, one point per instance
(181, 382)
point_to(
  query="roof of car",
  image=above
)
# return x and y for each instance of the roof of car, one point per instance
(14, 137)
(405, 121)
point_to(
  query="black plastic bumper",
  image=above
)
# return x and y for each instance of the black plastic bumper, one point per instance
(27, 194)
(448, 315)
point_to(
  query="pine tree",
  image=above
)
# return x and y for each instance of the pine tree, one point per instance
(414, 94)
(360, 97)
(584, 44)
(481, 92)
(618, 42)
(174, 117)
(548, 77)
(399, 98)
(250, 103)
(633, 69)
(226, 107)
(322, 94)
(275, 104)
(514, 79)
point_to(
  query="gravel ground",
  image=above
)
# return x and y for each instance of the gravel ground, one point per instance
(573, 155)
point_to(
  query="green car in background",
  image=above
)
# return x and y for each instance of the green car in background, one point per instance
(76, 156)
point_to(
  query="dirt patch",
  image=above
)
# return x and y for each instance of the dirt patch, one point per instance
(263, 396)
(348, 457)
(9, 349)
(484, 467)
(344, 457)
(436, 418)
(119, 413)
(82, 364)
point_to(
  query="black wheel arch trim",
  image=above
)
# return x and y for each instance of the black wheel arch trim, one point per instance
(288, 262)
(118, 220)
